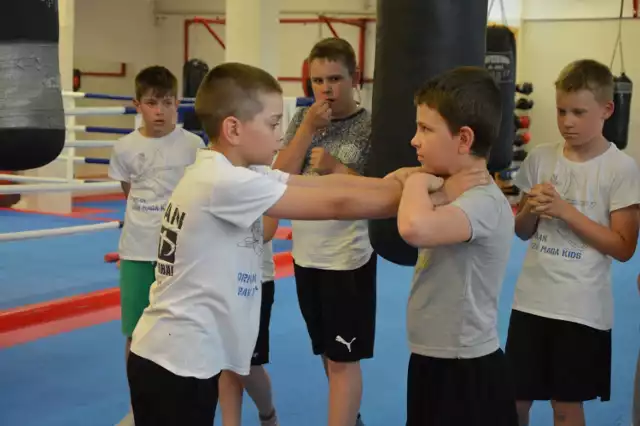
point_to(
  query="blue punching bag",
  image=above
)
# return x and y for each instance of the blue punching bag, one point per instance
(416, 40)
(32, 124)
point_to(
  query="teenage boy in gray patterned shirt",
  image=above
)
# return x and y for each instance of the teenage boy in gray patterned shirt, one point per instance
(334, 263)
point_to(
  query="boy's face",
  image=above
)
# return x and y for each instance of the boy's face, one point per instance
(331, 81)
(580, 116)
(261, 137)
(437, 148)
(159, 114)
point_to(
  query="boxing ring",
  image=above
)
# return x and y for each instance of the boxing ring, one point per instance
(34, 314)
(39, 184)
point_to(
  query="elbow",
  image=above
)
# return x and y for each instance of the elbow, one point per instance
(409, 230)
(624, 256)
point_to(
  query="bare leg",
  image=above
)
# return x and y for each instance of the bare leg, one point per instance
(258, 386)
(345, 392)
(568, 414)
(230, 398)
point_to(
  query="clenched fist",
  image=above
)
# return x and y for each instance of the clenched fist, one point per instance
(322, 162)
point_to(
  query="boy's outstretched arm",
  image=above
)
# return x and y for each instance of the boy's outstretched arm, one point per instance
(349, 179)
(619, 240)
(339, 202)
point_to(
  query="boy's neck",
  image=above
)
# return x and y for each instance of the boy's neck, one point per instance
(468, 163)
(349, 110)
(147, 132)
(587, 151)
(228, 153)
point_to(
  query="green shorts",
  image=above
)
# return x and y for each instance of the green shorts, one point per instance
(136, 278)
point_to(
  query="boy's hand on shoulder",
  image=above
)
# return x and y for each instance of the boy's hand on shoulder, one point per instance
(456, 185)
(402, 174)
(322, 162)
(429, 182)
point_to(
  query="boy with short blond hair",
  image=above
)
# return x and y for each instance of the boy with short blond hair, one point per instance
(203, 316)
(579, 209)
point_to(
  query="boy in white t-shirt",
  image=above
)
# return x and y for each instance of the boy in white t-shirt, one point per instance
(148, 162)
(579, 209)
(203, 315)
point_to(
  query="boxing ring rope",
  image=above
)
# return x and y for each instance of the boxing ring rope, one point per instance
(38, 184)
(70, 230)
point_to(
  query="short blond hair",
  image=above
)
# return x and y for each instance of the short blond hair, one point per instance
(232, 90)
(587, 74)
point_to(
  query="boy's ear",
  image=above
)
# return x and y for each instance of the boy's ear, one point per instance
(466, 136)
(609, 108)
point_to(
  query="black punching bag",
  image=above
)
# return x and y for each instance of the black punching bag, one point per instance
(500, 61)
(32, 125)
(193, 72)
(416, 40)
(616, 128)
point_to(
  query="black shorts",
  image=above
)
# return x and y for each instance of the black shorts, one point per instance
(161, 398)
(558, 360)
(460, 392)
(339, 308)
(261, 351)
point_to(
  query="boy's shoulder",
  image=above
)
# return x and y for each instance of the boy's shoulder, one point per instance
(189, 136)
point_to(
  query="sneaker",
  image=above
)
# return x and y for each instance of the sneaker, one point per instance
(359, 421)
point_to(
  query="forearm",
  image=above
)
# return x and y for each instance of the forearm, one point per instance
(526, 223)
(126, 186)
(340, 180)
(291, 158)
(379, 203)
(601, 238)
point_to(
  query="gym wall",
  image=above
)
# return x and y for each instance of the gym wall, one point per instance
(555, 33)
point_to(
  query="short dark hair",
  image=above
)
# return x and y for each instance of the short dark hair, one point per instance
(587, 74)
(466, 96)
(157, 79)
(335, 49)
(232, 89)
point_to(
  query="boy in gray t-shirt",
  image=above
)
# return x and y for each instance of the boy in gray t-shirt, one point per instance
(457, 371)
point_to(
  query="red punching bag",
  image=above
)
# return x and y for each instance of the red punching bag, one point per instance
(616, 128)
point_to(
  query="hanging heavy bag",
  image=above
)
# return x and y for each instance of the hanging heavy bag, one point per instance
(32, 124)
(193, 72)
(616, 128)
(500, 60)
(416, 40)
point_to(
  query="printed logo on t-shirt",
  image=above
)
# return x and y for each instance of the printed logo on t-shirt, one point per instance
(254, 242)
(172, 223)
(247, 284)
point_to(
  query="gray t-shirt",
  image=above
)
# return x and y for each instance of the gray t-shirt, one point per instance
(453, 304)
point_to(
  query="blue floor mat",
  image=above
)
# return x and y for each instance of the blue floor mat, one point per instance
(78, 379)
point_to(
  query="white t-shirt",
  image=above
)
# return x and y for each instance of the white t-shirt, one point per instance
(153, 167)
(268, 265)
(562, 277)
(204, 308)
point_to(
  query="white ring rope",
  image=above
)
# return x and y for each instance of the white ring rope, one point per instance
(58, 187)
(42, 233)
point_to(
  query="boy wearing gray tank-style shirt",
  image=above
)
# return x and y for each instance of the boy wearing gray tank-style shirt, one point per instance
(463, 226)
